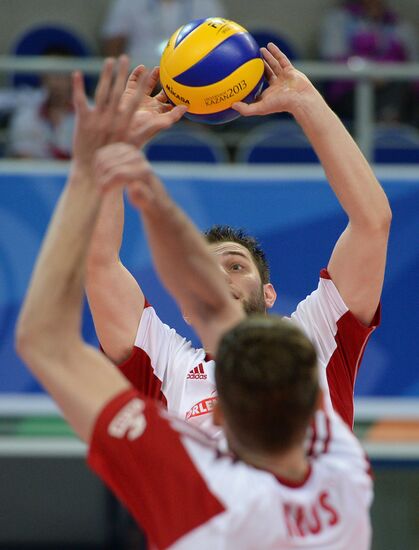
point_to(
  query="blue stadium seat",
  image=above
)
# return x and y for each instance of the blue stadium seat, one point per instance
(186, 144)
(396, 144)
(37, 40)
(263, 36)
(280, 141)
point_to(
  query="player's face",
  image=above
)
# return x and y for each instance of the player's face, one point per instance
(242, 275)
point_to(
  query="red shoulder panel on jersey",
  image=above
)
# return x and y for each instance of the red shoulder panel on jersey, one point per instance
(138, 454)
(138, 370)
(351, 338)
(324, 274)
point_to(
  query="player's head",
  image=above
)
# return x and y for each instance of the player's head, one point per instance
(245, 265)
(267, 382)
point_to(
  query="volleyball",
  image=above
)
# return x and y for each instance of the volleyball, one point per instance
(209, 64)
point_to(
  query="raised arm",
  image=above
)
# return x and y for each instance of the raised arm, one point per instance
(80, 379)
(179, 251)
(115, 297)
(358, 261)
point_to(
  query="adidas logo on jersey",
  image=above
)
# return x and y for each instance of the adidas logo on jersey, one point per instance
(197, 373)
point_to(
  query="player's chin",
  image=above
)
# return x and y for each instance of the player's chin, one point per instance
(254, 307)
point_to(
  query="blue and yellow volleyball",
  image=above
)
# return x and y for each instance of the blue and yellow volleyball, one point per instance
(209, 64)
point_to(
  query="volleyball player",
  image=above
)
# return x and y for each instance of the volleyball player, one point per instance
(181, 489)
(338, 316)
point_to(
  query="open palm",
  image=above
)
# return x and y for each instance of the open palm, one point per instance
(109, 118)
(155, 113)
(286, 86)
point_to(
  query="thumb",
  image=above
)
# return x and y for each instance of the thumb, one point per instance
(139, 194)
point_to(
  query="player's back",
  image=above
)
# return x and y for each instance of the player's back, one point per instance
(187, 495)
(328, 510)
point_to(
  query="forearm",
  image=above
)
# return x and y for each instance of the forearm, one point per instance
(181, 255)
(183, 262)
(107, 235)
(346, 168)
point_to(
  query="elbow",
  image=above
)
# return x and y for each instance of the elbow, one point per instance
(377, 222)
(38, 344)
(27, 341)
(34, 338)
(95, 259)
(386, 217)
(99, 260)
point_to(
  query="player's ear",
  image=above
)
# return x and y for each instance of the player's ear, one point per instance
(269, 294)
(217, 415)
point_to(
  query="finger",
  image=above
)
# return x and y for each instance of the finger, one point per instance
(152, 81)
(132, 105)
(122, 174)
(175, 114)
(142, 191)
(271, 61)
(134, 76)
(282, 59)
(131, 84)
(137, 73)
(127, 108)
(162, 97)
(148, 129)
(166, 107)
(79, 94)
(165, 120)
(139, 194)
(269, 74)
(120, 82)
(104, 85)
(246, 109)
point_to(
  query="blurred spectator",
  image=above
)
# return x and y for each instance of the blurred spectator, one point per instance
(41, 126)
(368, 29)
(141, 28)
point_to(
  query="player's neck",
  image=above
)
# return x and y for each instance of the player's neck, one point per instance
(291, 465)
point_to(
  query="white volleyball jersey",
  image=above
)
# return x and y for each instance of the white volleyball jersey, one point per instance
(165, 365)
(186, 494)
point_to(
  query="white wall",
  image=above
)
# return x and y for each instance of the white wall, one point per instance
(297, 19)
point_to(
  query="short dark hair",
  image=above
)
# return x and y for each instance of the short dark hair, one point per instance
(267, 382)
(225, 233)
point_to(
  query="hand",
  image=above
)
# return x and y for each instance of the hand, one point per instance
(109, 118)
(286, 88)
(158, 103)
(123, 165)
(155, 113)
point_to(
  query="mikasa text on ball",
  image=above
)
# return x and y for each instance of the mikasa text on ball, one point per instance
(209, 64)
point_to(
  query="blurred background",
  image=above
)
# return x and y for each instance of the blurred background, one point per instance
(259, 174)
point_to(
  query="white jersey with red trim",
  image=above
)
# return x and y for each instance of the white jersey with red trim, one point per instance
(186, 494)
(166, 366)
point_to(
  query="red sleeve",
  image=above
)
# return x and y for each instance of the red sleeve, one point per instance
(138, 370)
(142, 459)
(351, 338)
